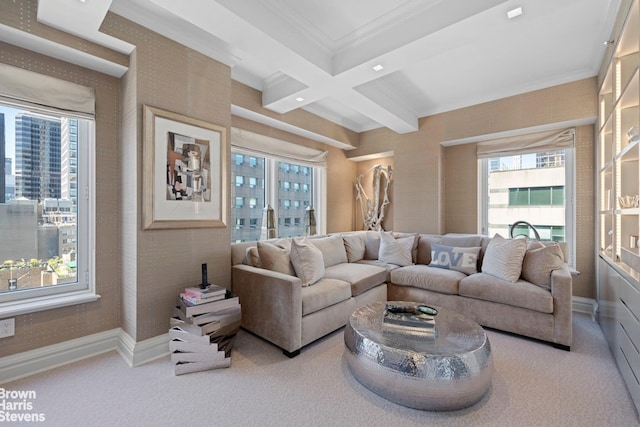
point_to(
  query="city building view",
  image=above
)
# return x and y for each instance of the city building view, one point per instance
(293, 188)
(38, 199)
(531, 188)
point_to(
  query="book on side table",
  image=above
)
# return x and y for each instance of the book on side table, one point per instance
(202, 330)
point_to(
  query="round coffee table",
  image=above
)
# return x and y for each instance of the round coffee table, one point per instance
(446, 369)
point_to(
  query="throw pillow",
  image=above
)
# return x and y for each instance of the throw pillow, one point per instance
(275, 257)
(307, 261)
(462, 259)
(396, 251)
(371, 245)
(354, 245)
(332, 249)
(540, 262)
(252, 257)
(503, 258)
(414, 249)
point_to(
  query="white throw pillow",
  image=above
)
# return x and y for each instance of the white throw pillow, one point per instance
(395, 251)
(503, 258)
(307, 261)
(464, 260)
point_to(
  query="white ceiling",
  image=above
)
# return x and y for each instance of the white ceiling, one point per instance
(438, 55)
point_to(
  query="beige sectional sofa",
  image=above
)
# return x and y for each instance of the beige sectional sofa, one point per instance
(294, 291)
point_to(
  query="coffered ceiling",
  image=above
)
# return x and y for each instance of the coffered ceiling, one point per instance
(367, 64)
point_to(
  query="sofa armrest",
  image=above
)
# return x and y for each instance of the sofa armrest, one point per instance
(562, 293)
(271, 304)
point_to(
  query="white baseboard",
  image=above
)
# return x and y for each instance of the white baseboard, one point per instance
(585, 305)
(134, 353)
(42, 359)
(138, 353)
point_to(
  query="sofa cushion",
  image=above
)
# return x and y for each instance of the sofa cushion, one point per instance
(253, 257)
(523, 294)
(503, 258)
(371, 244)
(539, 261)
(354, 246)
(379, 263)
(276, 256)
(332, 249)
(424, 248)
(324, 293)
(430, 278)
(307, 261)
(362, 277)
(396, 251)
(461, 240)
(464, 260)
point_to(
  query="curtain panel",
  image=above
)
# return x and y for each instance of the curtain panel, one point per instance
(529, 143)
(24, 88)
(266, 146)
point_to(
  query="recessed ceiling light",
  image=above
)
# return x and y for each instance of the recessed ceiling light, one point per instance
(299, 99)
(514, 12)
(377, 67)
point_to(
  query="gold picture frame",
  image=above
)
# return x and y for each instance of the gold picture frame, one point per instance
(184, 180)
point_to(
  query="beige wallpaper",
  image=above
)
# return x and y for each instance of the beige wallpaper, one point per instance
(139, 273)
(365, 170)
(435, 189)
(53, 326)
(461, 201)
(161, 263)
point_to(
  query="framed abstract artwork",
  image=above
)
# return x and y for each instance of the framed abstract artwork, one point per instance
(184, 171)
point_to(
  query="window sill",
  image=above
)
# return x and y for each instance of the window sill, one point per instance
(32, 305)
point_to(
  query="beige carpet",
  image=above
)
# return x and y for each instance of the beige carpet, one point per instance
(533, 385)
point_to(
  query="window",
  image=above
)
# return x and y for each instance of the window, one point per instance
(44, 259)
(278, 181)
(275, 168)
(239, 180)
(239, 202)
(534, 187)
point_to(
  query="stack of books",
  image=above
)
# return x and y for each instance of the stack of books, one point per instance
(410, 320)
(203, 327)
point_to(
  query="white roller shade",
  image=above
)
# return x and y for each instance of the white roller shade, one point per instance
(523, 144)
(25, 88)
(266, 146)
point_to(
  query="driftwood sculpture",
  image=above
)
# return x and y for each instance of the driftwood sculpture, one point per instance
(373, 210)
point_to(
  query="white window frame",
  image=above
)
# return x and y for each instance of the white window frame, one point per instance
(319, 183)
(570, 215)
(38, 299)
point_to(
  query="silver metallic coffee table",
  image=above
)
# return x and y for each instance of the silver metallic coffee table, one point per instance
(448, 370)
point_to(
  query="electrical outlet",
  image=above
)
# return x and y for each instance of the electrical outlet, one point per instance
(7, 328)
